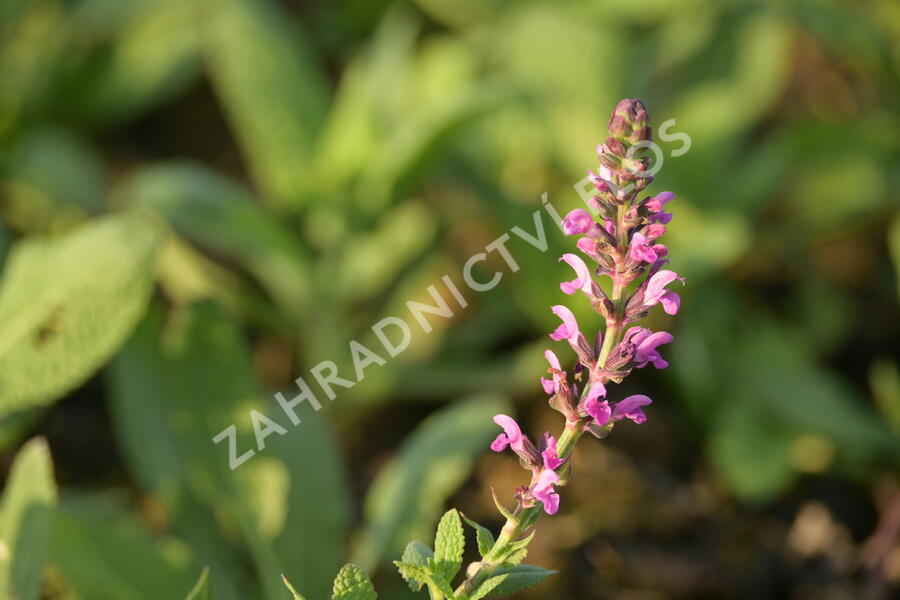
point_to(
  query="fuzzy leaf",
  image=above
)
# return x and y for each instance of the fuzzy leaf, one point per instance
(520, 577)
(67, 303)
(418, 554)
(449, 544)
(487, 586)
(483, 536)
(352, 584)
(415, 575)
(25, 522)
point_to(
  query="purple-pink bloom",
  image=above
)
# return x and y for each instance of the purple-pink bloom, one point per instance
(578, 221)
(645, 342)
(543, 491)
(550, 455)
(511, 436)
(655, 291)
(582, 280)
(568, 330)
(596, 408)
(657, 202)
(641, 249)
(551, 386)
(630, 408)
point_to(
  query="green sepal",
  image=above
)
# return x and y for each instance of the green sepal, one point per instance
(503, 511)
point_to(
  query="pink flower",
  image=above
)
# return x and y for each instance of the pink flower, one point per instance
(641, 250)
(655, 291)
(511, 436)
(630, 408)
(582, 280)
(551, 386)
(645, 342)
(578, 221)
(551, 458)
(569, 328)
(657, 202)
(599, 410)
(543, 490)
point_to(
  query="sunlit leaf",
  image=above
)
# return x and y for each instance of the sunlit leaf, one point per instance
(26, 517)
(67, 303)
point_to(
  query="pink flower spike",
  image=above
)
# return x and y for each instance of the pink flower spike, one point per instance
(630, 408)
(578, 221)
(543, 491)
(551, 458)
(582, 280)
(512, 435)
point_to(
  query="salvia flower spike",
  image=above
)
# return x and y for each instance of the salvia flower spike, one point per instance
(618, 245)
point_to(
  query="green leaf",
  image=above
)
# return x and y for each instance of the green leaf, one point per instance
(201, 591)
(105, 553)
(409, 492)
(487, 586)
(352, 584)
(216, 213)
(483, 537)
(151, 55)
(520, 577)
(415, 575)
(66, 304)
(449, 545)
(272, 89)
(26, 515)
(273, 500)
(416, 554)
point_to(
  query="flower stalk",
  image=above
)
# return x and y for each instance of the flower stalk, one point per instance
(622, 244)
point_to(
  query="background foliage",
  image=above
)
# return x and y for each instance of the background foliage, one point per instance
(199, 200)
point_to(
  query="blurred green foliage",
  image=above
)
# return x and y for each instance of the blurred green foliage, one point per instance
(201, 199)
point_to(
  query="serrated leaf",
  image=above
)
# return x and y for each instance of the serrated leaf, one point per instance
(449, 545)
(67, 303)
(487, 586)
(202, 590)
(520, 577)
(483, 537)
(352, 584)
(26, 515)
(416, 553)
(516, 552)
(414, 574)
(270, 84)
(408, 494)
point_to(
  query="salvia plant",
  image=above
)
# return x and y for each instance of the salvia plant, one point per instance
(621, 242)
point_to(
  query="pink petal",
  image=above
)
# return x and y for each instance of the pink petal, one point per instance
(630, 408)
(578, 221)
(670, 302)
(583, 279)
(550, 455)
(569, 328)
